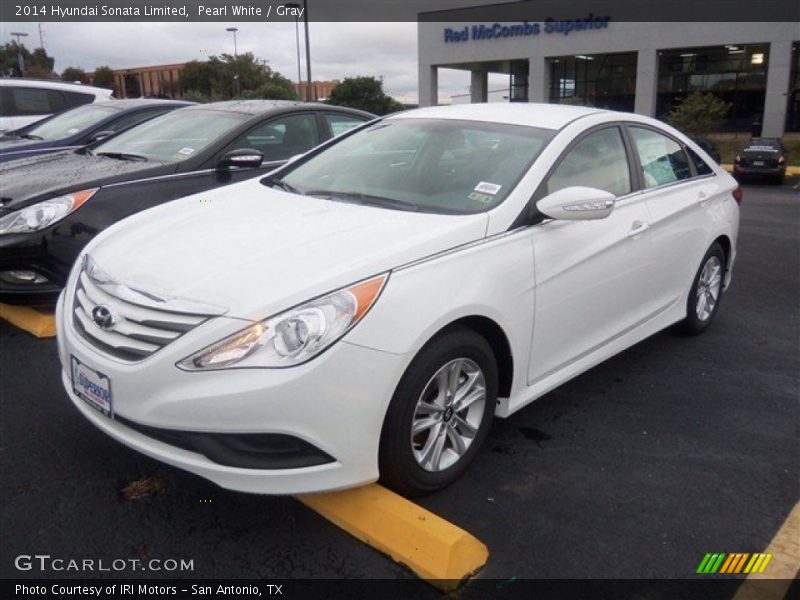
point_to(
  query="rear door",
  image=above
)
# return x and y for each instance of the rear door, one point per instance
(591, 276)
(682, 196)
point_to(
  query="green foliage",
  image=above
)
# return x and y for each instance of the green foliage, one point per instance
(73, 74)
(37, 63)
(699, 113)
(104, 77)
(364, 93)
(224, 77)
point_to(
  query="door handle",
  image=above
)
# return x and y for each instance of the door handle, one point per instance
(702, 197)
(637, 228)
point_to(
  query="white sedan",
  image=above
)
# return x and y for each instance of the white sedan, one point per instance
(365, 311)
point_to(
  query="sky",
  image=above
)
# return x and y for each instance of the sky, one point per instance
(338, 50)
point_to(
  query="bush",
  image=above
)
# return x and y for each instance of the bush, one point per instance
(699, 113)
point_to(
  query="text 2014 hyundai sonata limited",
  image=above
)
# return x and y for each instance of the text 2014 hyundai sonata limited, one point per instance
(365, 311)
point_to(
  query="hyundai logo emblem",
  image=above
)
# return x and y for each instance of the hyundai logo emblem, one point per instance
(103, 316)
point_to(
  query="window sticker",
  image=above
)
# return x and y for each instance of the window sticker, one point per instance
(186, 151)
(482, 198)
(485, 187)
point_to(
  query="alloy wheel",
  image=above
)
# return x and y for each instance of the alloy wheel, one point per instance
(708, 288)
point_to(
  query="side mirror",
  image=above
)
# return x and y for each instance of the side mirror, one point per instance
(577, 203)
(100, 135)
(241, 157)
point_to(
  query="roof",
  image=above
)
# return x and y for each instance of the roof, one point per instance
(55, 85)
(256, 107)
(252, 107)
(547, 116)
(127, 103)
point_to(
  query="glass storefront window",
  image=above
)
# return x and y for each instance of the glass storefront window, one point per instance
(598, 80)
(737, 73)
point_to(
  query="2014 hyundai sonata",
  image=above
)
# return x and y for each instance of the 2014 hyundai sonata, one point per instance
(367, 310)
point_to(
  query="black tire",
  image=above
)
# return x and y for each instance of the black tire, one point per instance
(693, 324)
(778, 179)
(399, 469)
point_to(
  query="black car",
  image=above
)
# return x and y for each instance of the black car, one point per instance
(52, 205)
(763, 158)
(81, 126)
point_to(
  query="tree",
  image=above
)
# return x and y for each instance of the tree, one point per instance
(225, 76)
(699, 113)
(37, 63)
(277, 87)
(73, 74)
(104, 77)
(364, 93)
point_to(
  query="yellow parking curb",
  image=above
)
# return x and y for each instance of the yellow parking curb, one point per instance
(40, 323)
(784, 566)
(436, 550)
(790, 171)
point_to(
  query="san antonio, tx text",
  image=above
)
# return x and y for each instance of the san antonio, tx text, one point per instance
(269, 589)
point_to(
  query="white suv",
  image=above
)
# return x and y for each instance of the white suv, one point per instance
(25, 101)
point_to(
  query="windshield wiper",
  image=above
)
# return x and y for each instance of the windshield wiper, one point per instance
(29, 136)
(367, 199)
(123, 156)
(287, 187)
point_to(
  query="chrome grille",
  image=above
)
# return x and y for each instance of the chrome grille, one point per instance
(135, 330)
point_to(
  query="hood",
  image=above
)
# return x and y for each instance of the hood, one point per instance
(257, 251)
(49, 175)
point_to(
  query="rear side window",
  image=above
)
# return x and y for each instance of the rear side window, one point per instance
(22, 101)
(662, 159)
(74, 99)
(341, 123)
(700, 165)
(599, 160)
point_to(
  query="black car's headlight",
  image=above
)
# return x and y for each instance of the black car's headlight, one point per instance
(294, 336)
(43, 214)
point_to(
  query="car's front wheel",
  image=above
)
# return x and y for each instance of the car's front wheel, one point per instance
(439, 414)
(706, 292)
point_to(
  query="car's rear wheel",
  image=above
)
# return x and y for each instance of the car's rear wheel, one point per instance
(439, 414)
(706, 292)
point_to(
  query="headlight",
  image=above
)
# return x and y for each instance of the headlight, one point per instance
(292, 337)
(43, 214)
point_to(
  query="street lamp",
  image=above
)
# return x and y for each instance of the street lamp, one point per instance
(296, 6)
(20, 58)
(233, 30)
(311, 95)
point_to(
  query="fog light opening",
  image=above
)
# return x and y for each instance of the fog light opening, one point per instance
(22, 277)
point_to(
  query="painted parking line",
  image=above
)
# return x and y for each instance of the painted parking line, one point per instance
(436, 550)
(40, 323)
(784, 566)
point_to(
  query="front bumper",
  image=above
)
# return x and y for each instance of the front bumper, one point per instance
(335, 403)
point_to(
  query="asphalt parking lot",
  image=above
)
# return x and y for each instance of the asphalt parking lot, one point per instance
(678, 447)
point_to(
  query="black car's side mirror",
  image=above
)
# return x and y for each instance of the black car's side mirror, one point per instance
(241, 157)
(101, 135)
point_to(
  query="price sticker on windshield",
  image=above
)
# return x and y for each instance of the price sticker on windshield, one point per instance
(484, 187)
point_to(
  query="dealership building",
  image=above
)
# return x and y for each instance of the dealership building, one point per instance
(632, 66)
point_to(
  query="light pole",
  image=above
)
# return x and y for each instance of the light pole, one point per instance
(311, 95)
(297, 40)
(233, 30)
(20, 58)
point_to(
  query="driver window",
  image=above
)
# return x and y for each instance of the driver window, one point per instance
(281, 138)
(599, 160)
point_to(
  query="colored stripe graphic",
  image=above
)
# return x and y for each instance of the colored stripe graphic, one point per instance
(731, 564)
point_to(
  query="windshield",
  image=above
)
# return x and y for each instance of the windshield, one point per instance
(173, 137)
(434, 165)
(71, 122)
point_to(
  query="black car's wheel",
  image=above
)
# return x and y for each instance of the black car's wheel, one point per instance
(440, 413)
(706, 293)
